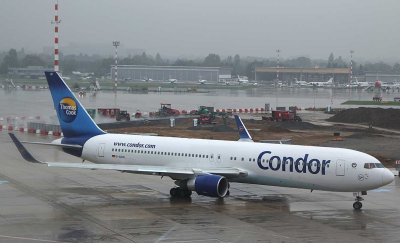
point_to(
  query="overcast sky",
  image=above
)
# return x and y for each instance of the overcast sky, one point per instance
(313, 28)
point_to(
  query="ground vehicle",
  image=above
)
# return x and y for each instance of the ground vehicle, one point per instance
(138, 114)
(123, 115)
(166, 110)
(206, 118)
(283, 116)
(377, 98)
(108, 112)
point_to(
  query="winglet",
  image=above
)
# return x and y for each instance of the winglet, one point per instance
(23, 151)
(243, 132)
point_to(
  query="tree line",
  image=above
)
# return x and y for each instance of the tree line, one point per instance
(100, 65)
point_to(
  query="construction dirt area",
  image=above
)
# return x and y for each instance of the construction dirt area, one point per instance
(352, 128)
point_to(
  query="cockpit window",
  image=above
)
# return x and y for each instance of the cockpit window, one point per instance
(373, 165)
(369, 165)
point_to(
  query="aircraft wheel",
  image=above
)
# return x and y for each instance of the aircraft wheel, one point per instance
(357, 205)
(179, 192)
(187, 193)
(173, 192)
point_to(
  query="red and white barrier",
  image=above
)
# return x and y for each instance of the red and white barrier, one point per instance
(242, 110)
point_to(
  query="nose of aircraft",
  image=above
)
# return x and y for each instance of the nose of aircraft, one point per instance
(387, 177)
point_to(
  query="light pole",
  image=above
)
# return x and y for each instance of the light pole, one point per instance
(56, 22)
(351, 65)
(116, 44)
(277, 66)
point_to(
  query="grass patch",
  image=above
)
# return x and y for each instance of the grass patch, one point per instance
(370, 102)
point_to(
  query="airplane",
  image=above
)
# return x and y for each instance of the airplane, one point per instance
(242, 80)
(301, 83)
(328, 83)
(207, 166)
(146, 79)
(202, 81)
(172, 80)
(357, 84)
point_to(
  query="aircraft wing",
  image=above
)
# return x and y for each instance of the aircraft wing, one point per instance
(173, 172)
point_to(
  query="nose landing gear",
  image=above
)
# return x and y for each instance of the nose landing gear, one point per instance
(357, 205)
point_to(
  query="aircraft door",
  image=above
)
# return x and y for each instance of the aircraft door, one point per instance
(100, 150)
(340, 167)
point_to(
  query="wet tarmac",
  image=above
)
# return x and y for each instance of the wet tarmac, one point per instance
(41, 204)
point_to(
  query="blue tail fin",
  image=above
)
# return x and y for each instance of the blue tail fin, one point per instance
(74, 120)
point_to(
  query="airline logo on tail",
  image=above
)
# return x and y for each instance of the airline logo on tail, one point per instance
(68, 109)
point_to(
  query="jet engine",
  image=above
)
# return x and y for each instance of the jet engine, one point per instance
(209, 185)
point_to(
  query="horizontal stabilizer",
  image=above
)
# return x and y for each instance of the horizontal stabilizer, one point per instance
(73, 146)
(23, 151)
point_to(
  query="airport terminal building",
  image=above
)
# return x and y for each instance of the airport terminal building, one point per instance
(33, 72)
(163, 73)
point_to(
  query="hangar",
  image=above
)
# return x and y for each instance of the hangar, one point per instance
(340, 75)
(163, 73)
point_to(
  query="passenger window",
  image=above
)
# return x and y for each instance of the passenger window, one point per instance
(242, 159)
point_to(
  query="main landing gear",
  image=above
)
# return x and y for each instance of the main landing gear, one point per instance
(178, 192)
(357, 205)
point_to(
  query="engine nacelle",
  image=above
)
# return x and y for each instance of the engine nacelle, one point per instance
(209, 185)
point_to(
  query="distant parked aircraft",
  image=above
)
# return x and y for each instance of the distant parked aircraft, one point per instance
(328, 83)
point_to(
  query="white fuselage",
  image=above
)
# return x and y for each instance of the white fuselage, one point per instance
(319, 168)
